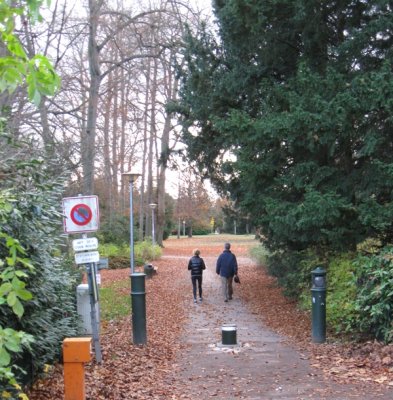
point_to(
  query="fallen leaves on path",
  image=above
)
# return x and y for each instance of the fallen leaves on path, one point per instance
(141, 372)
(133, 371)
(365, 363)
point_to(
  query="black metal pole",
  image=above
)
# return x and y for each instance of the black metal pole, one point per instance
(93, 292)
(138, 298)
(318, 297)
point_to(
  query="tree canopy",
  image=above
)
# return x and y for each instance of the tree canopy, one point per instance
(289, 111)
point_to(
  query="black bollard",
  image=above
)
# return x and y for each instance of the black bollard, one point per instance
(138, 301)
(318, 297)
(228, 335)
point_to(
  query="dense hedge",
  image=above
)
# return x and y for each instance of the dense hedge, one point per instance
(359, 288)
(35, 221)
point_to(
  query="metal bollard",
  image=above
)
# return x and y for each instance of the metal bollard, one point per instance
(318, 294)
(228, 334)
(148, 269)
(138, 300)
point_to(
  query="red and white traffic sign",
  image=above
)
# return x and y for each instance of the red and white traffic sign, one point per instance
(81, 214)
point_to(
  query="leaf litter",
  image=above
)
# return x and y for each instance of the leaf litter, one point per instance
(131, 371)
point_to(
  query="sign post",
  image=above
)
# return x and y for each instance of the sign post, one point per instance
(81, 215)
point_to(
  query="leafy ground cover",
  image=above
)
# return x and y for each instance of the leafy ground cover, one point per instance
(141, 372)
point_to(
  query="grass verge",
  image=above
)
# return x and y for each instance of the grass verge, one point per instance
(115, 301)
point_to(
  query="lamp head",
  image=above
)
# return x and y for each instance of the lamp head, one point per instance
(318, 278)
(131, 175)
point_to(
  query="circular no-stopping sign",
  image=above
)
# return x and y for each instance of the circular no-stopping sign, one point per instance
(81, 214)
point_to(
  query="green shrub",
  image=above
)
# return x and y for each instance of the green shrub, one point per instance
(292, 270)
(145, 251)
(120, 254)
(374, 303)
(114, 250)
(369, 246)
(341, 294)
(35, 220)
(201, 231)
(259, 254)
(116, 230)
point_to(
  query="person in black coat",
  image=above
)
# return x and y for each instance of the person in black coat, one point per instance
(226, 267)
(196, 265)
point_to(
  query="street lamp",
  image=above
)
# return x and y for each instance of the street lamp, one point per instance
(184, 227)
(132, 178)
(153, 206)
(138, 295)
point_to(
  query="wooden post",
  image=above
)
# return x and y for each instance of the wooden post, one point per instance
(76, 351)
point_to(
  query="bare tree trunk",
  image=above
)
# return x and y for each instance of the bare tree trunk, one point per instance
(113, 187)
(171, 87)
(89, 135)
(123, 116)
(161, 181)
(106, 145)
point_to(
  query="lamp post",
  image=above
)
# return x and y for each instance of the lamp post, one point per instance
(132, 177)
(138, 295)
(184, 227)
(153, 206)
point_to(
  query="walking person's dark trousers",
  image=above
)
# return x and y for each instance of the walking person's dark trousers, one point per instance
(194, 280)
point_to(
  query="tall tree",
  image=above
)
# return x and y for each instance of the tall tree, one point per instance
(289, 113)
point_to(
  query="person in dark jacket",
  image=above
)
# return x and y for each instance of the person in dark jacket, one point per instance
(227, 268)
(196, 265)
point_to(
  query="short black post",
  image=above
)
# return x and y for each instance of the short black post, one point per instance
(318, 297)
(228, 335)
(138, 302)
(148, 269)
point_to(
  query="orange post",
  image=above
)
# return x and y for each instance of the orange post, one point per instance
(76, 351)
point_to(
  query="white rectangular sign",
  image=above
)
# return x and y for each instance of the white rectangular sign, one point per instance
(85, 244)
(87, 257)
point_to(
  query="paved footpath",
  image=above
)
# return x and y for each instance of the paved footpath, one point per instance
(260, 366)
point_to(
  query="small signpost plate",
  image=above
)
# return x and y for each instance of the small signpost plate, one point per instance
(85, 244)
(87, 257)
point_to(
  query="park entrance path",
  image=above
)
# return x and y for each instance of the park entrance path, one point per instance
(261, 366)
